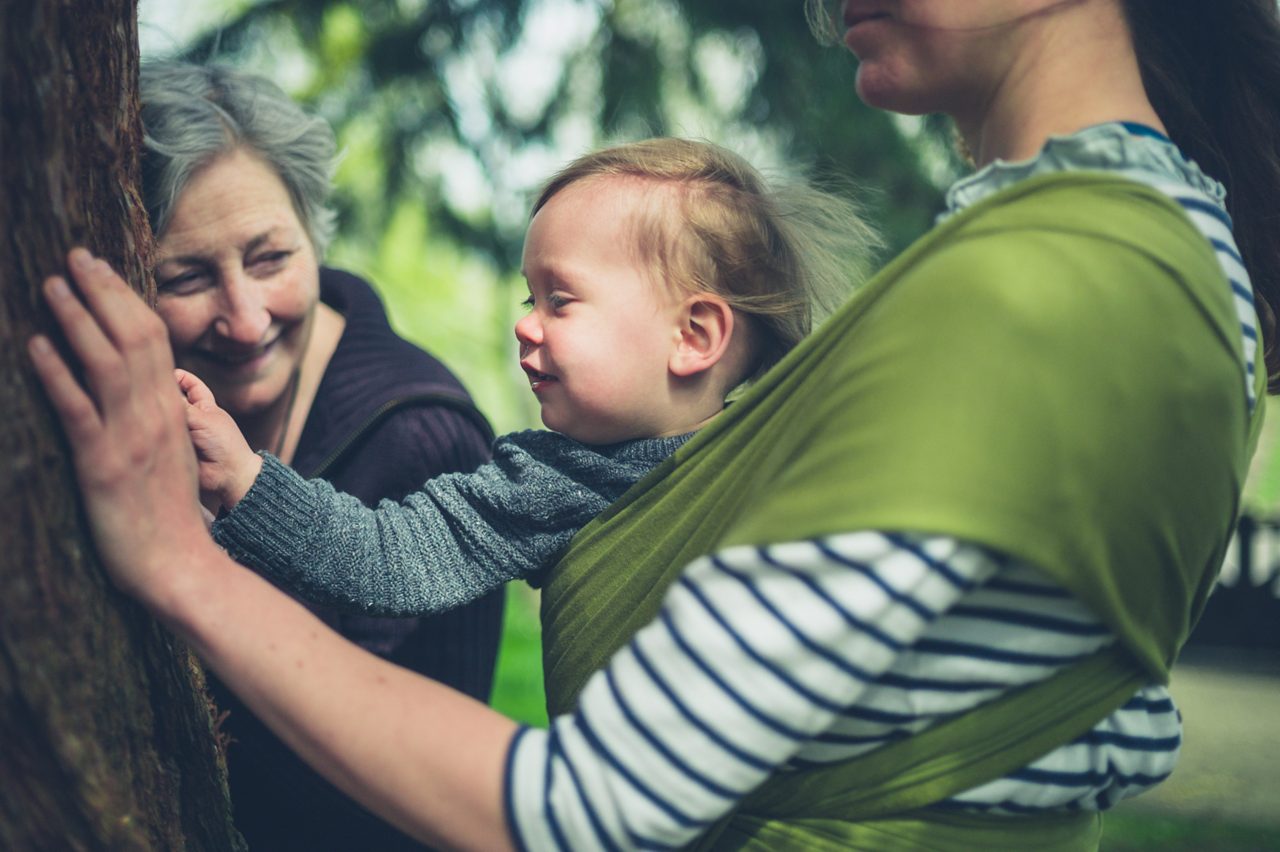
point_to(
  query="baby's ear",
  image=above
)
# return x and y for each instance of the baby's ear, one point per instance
(705, 330)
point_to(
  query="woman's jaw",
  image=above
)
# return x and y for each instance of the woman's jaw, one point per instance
(1010, 73)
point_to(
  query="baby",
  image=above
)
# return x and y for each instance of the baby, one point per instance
(662, 275)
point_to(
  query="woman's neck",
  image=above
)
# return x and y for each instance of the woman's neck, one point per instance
(262, 429)
(1073, 72)
(278, 427)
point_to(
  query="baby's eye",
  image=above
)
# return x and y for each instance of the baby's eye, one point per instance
(527, 304)
(557, 301)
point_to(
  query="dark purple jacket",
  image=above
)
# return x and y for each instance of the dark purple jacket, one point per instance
(387, 416)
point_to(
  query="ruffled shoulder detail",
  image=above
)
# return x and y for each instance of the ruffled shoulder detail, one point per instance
(1117, 147)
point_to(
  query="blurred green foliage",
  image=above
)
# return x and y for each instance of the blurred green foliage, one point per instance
(452, 90)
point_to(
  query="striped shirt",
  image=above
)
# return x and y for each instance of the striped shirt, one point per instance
(806, 653)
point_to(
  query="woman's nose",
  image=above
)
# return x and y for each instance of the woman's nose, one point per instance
(244, 317)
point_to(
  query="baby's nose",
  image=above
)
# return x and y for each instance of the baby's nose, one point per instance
(528, 332)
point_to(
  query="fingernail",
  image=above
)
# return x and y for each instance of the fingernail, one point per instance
(58, 289)
(80, 258)
(39, 346)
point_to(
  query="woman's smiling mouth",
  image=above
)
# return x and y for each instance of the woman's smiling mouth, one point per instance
(240, 360)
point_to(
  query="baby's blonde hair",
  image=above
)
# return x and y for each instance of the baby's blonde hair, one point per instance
(782, 255)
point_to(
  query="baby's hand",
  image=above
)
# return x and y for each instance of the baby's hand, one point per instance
(227, 464)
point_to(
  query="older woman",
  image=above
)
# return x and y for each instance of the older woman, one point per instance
(236, 181)
(927, 578)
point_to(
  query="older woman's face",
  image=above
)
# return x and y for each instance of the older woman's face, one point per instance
(238, 283)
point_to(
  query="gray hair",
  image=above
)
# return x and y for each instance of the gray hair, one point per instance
(192, 114)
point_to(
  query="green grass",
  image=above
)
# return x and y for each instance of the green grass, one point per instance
(517, 687)
(1132, 831)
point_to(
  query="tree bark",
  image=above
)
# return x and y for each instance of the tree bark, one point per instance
(106, 733)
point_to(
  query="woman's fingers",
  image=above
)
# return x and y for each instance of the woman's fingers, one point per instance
(117, 308)
(75, 408)
(125, 421)
(134, 329)
(121, 342)
(104, 368)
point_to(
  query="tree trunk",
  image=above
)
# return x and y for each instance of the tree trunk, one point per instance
(106, 738)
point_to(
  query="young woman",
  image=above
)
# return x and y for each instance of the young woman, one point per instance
(928, 576)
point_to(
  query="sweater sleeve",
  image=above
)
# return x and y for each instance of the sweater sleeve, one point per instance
(458, 538)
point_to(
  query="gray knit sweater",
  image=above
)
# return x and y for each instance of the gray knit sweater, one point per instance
(461, 536)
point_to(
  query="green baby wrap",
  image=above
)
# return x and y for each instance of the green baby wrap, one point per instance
(1054, 374)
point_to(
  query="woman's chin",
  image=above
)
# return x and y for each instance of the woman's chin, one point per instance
(247, 399)
(879, 87)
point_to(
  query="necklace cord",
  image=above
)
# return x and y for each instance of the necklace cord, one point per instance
(294, 381)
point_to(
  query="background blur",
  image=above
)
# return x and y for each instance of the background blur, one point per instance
(450, 113)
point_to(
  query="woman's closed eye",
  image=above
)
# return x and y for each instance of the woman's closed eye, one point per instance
(268, 262)
(184, 283)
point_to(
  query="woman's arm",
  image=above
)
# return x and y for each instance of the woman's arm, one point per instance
(422, 756)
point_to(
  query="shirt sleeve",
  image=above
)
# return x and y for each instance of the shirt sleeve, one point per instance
(755, 651)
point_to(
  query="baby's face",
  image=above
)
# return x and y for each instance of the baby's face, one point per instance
(599, 333)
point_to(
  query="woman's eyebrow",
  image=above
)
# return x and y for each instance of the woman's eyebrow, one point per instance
(257, 241)
(183, 259)
(199, 257)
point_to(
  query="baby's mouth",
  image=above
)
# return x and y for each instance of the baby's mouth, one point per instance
(537, 379)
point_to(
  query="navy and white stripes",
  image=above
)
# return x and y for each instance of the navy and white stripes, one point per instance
(807, 653)
(1213, 221)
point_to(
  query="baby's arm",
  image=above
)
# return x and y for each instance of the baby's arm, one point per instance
(458, 538)
(227, 464)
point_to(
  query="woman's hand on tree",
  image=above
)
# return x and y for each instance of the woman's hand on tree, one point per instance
(126, 423)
